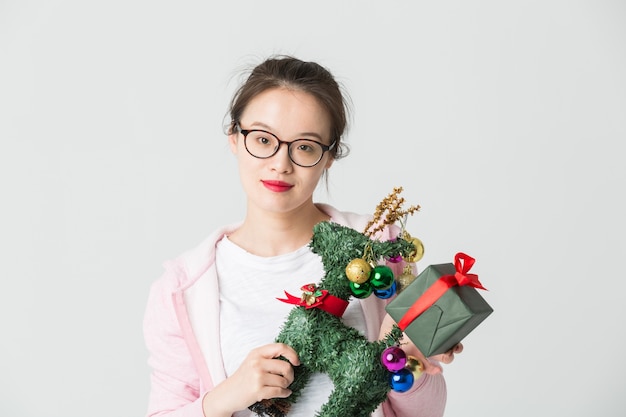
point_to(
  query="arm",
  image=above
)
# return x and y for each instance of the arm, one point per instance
(427, 397)
(175, 383)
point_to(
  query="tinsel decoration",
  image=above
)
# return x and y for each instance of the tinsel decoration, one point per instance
(360, 371)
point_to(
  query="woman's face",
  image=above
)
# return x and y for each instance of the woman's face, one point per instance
(276, 184)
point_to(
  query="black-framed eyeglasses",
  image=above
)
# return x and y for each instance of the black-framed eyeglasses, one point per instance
(263, 144)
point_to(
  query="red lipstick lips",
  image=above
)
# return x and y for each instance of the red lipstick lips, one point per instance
(276, 186)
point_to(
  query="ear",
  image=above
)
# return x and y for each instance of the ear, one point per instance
(329, 163)
(232, 141)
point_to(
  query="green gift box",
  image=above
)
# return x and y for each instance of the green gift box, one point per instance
(451, 305)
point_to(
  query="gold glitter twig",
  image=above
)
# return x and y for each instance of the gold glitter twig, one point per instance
(388, 212)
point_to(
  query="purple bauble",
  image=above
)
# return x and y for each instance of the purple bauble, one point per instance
(393, 358)
(401, 381)
(395, 259)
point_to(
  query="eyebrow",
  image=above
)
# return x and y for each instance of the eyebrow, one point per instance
(269, 129)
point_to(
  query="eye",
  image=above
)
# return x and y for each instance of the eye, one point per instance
(262, 139)
(305, 147)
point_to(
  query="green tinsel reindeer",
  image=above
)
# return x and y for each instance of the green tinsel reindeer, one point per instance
(315, 330)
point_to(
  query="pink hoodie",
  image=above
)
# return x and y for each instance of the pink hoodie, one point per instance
(187, 363)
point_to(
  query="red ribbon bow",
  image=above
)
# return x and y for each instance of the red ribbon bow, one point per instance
(462, 263)
(313, 297)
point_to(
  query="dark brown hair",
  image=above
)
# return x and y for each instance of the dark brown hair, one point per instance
(310, 77)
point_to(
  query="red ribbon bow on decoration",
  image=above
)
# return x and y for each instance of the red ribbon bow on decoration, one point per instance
(313, 297)
(462, 263)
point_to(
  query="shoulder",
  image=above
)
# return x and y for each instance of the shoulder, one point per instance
(356, 221)
(183, 270)
(345, 218)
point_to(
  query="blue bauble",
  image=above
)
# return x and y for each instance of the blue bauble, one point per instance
(402, 380)
(384, 294)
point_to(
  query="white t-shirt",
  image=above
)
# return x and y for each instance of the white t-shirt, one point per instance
(251, 315)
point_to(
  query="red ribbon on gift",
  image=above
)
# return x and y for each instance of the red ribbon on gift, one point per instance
(313, 297)
(462, 263)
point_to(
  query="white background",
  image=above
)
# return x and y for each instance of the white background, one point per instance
(503, 120)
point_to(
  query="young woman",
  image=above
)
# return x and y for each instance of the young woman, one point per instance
(208, 326)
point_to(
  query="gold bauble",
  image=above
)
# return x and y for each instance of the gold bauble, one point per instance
(358, 271)
(418, 253)
(404, 280)
(415, 366)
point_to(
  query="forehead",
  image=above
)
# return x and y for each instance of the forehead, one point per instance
(287, 112)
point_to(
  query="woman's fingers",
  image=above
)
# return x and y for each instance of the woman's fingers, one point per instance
(261, 375)
(274, 386)
(277, 350)
(448, 357)
(272, 376)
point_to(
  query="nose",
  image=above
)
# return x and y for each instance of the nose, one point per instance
(281, 161)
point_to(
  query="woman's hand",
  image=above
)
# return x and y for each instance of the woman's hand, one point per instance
(448, 357)
(260, 376)
(430, 367)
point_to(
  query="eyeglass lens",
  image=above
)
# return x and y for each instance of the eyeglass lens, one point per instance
(302, 152)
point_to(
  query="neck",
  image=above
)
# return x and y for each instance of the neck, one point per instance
(272, 234)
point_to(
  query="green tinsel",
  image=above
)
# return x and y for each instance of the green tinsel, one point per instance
(324, 344)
